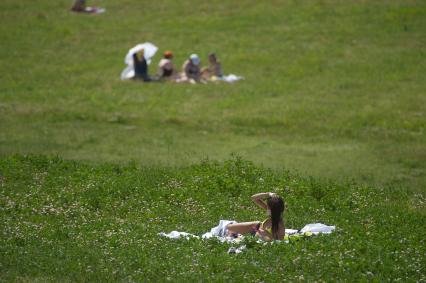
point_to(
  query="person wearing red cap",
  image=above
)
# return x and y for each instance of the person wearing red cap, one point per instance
(166, 69)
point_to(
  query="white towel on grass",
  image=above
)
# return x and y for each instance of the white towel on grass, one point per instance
(231, 78)
(220, 232)
(318, 228)
(178, 235)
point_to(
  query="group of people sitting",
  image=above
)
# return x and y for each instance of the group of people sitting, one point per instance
(191, 69)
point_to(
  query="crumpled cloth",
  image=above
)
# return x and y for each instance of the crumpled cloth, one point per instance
(220, 232)
(177, 235)
(230, 78)
(317, 228)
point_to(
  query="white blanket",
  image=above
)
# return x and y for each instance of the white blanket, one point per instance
(230, 78)
(220, 232)
(317, 228)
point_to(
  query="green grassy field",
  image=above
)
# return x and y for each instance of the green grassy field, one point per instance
(67, 221)
(333, 89)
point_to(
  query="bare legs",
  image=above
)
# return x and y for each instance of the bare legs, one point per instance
(79, 6)
(243, 228)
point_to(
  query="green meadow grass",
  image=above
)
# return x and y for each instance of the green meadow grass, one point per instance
(332, 88)
(70, 221)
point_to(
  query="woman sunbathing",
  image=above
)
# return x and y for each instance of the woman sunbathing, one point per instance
(270, 229)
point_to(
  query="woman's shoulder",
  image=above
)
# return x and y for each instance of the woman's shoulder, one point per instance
(267, 222)
(187, 64)
(164, 62)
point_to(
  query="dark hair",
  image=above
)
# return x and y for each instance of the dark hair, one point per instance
(212, 55)
(276, 205)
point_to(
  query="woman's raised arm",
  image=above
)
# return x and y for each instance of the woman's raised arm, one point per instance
(259, 199)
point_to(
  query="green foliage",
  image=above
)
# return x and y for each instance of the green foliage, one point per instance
(70, 221)
(333, 89)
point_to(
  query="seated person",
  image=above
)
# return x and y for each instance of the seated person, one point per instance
(140, 66)
(80, 7)
(166, 69)
(191, 70)
(214, 70)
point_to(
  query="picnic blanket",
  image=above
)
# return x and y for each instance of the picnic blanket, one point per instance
(90, 10)
(230, 78)
(219, 232)
(225, 78)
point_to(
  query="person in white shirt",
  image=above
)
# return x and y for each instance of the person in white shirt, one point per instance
(166, 69)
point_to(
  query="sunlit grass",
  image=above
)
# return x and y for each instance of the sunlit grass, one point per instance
(70, 221)
(333, 89)
(319, 76)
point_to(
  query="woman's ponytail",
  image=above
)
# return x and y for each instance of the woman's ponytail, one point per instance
(276, 206)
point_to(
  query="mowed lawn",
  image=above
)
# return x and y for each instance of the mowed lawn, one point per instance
(333, 89)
